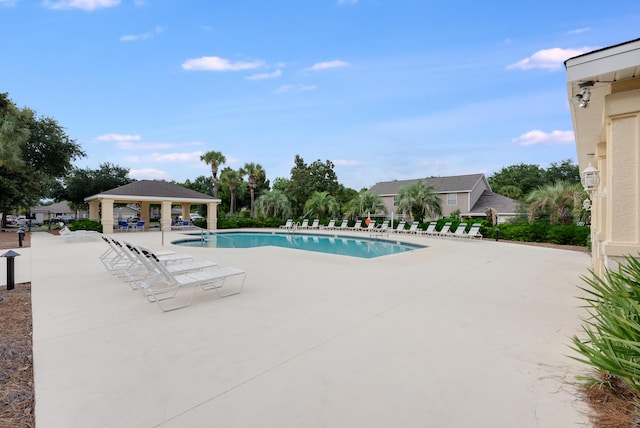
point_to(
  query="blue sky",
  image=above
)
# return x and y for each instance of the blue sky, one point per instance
(385, 89)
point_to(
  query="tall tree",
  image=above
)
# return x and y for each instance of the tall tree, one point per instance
(419, 201)
(46, 155)
(365, 203)
(562, 199)
(306, 179)
(12, 137)
(321, 205)
(565, 171)
(254, 172)
(231, 179)
(525, 176)
(273, 204)
(200, 184)
(215, 159)
(83, 182)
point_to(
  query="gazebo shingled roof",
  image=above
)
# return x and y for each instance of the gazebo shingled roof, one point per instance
(156, 189)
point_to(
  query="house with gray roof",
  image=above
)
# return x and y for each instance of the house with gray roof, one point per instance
(471, 194)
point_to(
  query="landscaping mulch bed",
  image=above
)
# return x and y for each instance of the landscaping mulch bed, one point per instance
(17, 398)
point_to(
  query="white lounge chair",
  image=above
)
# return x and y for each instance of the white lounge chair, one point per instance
(371, 226)
(400, 228)
(330, 226)
(460, 230)
(79, 235)
(344, 225)
(287, 225)
(430, 230)
(204, 280)
(315, 224)
(474, 232)
(445, 231)
(305, 224)
(357, 226)
(413, 229)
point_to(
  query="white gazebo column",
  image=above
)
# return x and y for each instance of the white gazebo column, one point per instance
(94, 210)
(107, 216)
(144, 214)
(165, 216)
(212, 215)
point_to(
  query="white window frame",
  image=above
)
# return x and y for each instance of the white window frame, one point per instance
(451, 196)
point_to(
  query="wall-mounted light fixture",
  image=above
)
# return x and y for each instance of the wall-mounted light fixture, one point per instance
(583, 96)
(590, 179)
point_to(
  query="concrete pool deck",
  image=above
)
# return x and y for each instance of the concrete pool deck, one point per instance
(457, 334)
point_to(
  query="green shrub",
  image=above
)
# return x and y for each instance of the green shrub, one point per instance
(540, 232)
(85, 225)
(569, 235)
(612, 330)
(242, 222)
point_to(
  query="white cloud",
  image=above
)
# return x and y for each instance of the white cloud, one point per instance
(347, 162)
(539, 137)
(166, 157)
(175, 157)
(262, 76)
(148, 174)
(214, 63)
(294, 88)
(549, 59)
(327, 65)
(118, 137)
(341, 2)
(81, 4)
(8, 2)
(143, 36)
(580, 30)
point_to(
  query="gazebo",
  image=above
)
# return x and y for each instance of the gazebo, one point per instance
(146, 193)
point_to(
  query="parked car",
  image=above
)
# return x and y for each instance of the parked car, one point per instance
(64, 218)
(22, 220)
(193, 216)
(11, 219)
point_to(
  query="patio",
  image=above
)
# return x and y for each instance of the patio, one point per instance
(456, 334)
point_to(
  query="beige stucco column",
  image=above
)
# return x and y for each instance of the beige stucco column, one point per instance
(620, 187)
(107, 216)
(94, 210)
(186, 209)
(212, 215)
(165, 216)
(144, 214)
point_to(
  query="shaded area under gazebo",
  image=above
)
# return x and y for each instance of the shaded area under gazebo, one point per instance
(146, 193)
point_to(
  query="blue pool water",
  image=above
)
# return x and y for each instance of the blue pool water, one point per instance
(342, 245)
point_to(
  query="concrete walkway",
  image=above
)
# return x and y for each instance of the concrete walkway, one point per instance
(459, 334)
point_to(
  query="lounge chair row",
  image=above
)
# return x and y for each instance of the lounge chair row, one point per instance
(344, 225)
(460, 231)
(160, 276)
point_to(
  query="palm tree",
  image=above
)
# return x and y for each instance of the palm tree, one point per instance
(12, 136)
(215, 159)
(232, 179)
(561, 199)
(253, 172)
(321, 205)
(365, 203)
(419, 200)
(274, 204)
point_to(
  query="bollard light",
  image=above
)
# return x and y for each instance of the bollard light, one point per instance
(11, 278)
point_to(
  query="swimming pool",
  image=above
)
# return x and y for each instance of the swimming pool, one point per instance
(333, 244)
